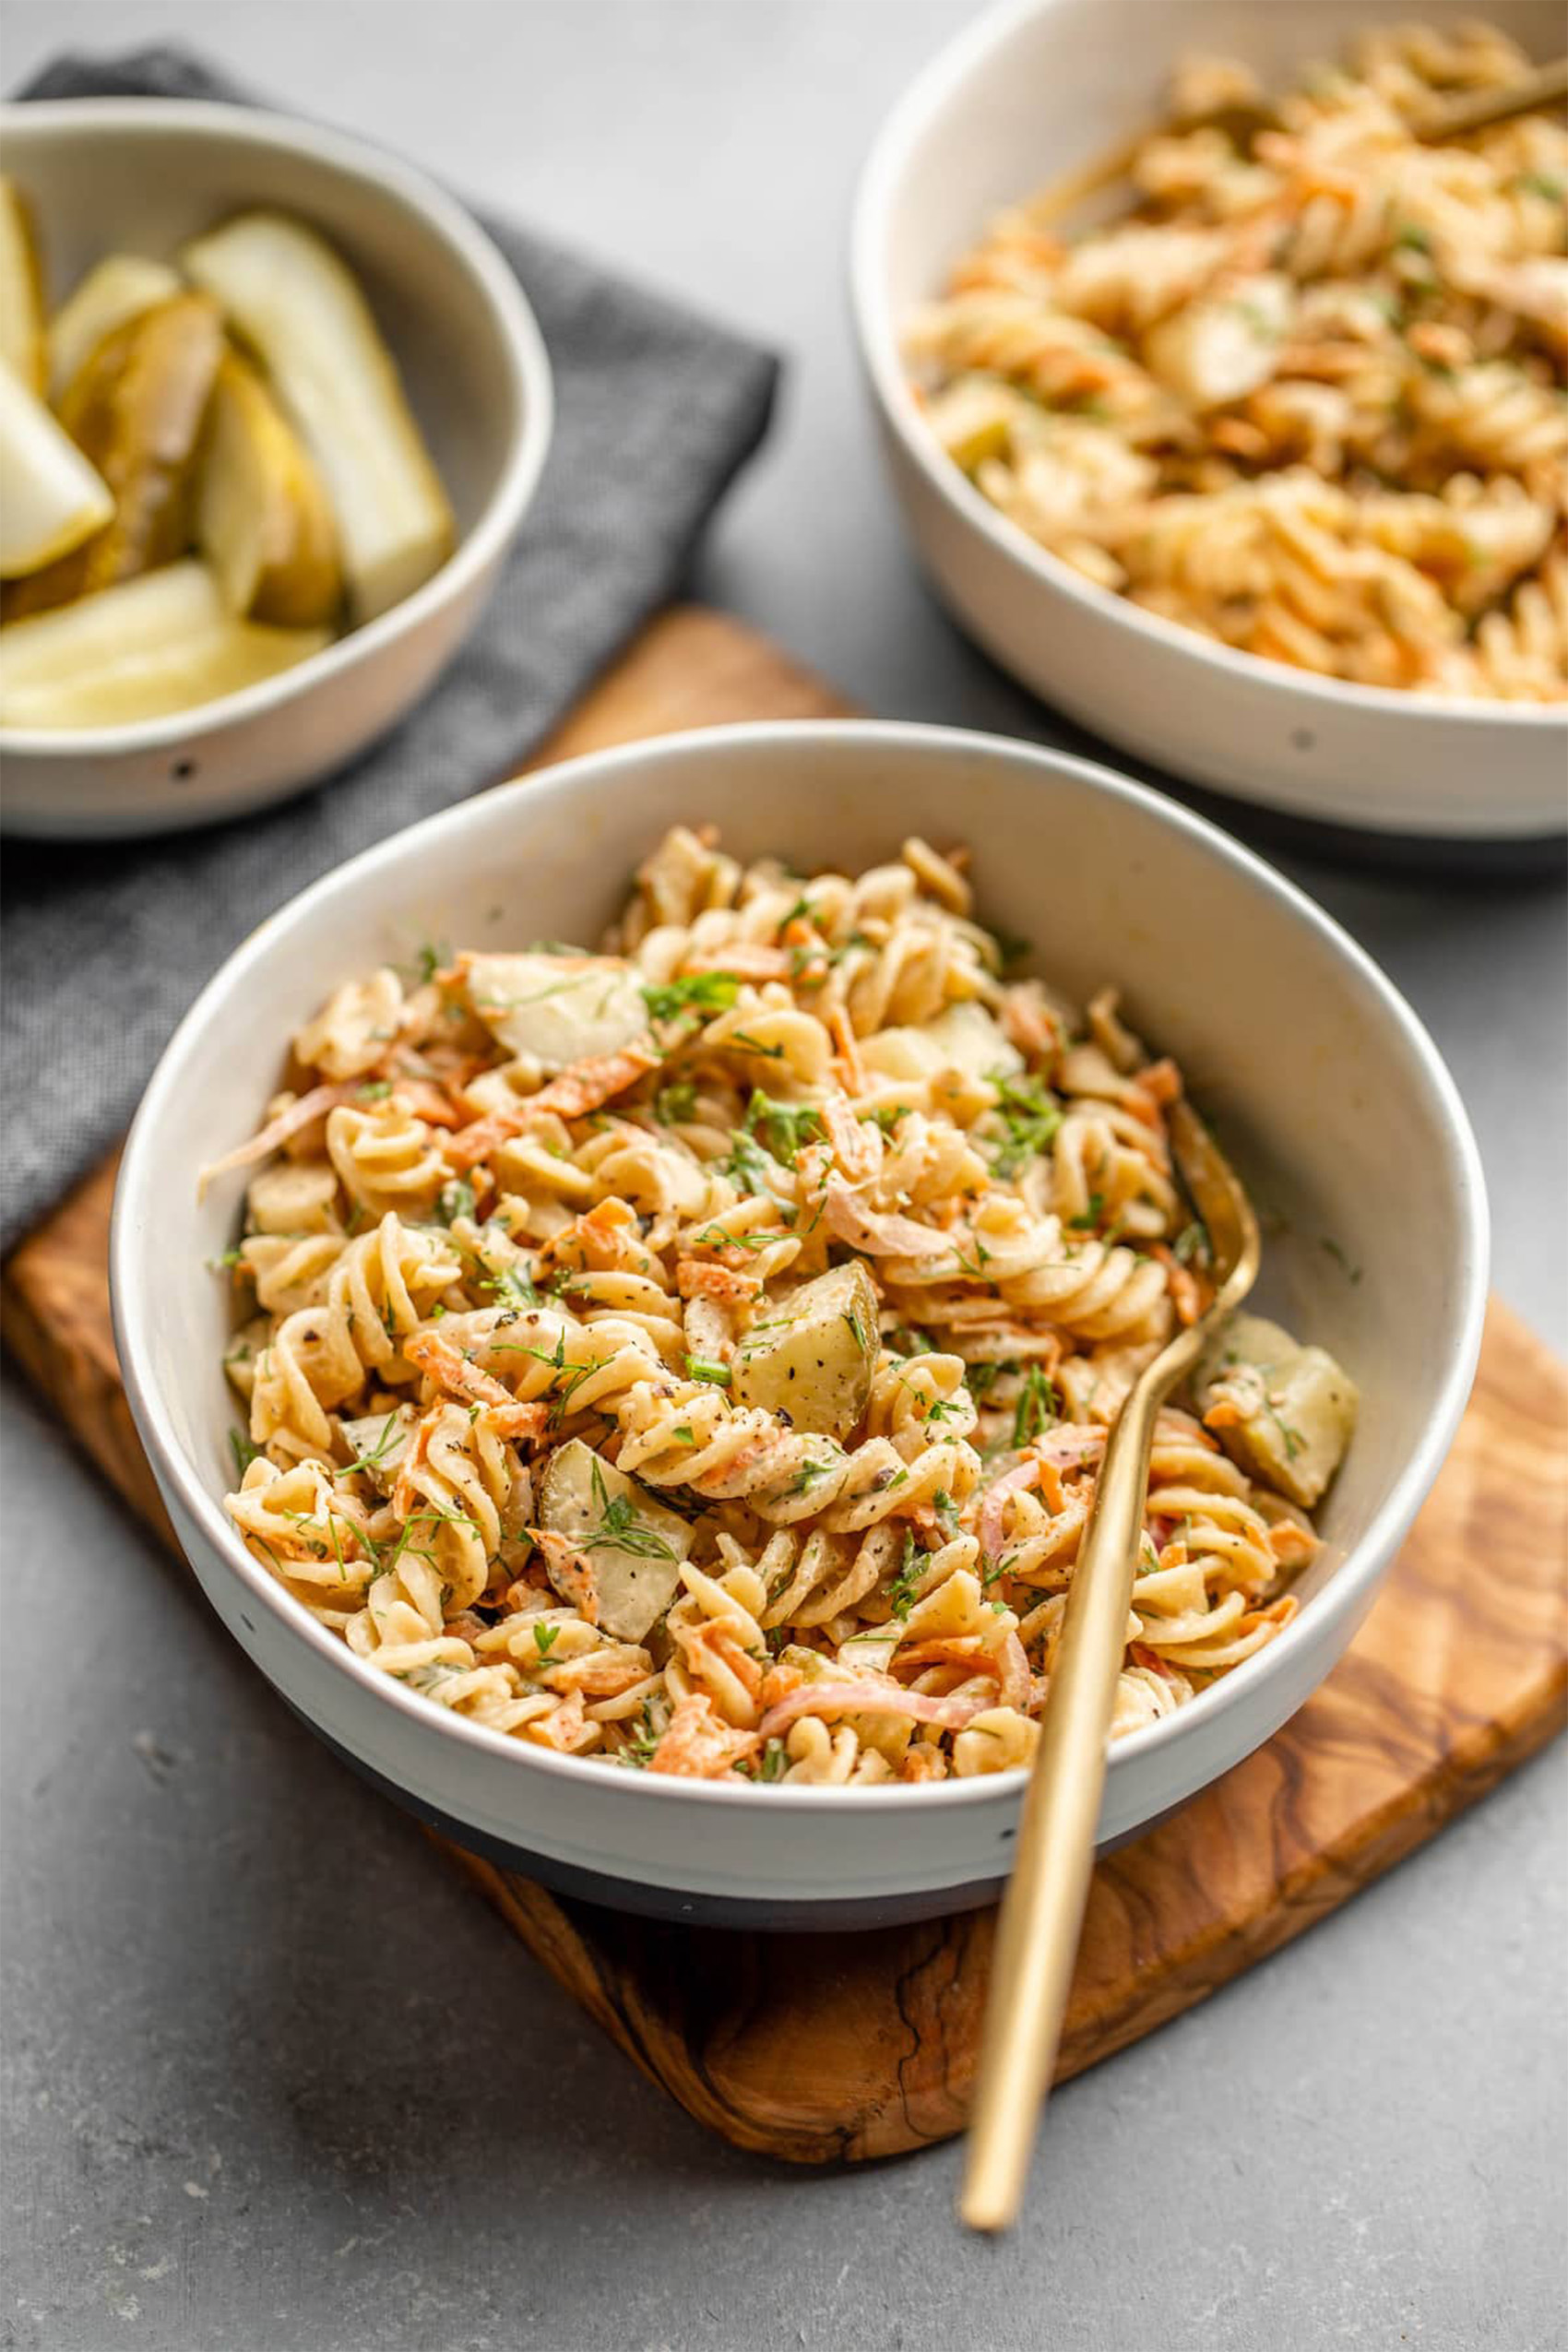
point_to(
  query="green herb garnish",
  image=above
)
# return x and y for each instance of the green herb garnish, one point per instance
(376, 1455)
(902, 1592)
(243, 1452)
(1192, 1243)
(982, 1260)
(674, 1105)
(1352, 1272)
(1037, 1408)
(1032, 1115)
(619, 1529)
(783, 1126)
(455, 1200)
(699, 992)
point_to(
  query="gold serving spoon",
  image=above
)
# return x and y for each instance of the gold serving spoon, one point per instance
(1447, 119)
(1244, 119)
(1042, 1911)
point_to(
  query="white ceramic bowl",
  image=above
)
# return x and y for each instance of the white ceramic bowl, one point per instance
(142, 175)
(1324, 1083)
(1026, 92)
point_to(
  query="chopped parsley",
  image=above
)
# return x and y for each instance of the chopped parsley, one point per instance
(455, 1200)
(619, 1529)
(904, 1591)
(748, 1165)
(907, 1341)
(1032, 1115)
(698, 993)
(1352, 1272)
(432, 956)
(243, 1452)
(510, 1287)
(783, 1126)
(376, 1457)
(715, 1236)
(673, 1105)
(558, 1361)
(975, 1268)
(637, 1752)
(1037, 1408)
(807, 1476)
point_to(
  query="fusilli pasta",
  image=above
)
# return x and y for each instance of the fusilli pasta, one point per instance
(698, 1354)
(1307, 395)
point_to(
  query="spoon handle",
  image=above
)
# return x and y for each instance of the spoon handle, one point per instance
(1547, 86)
(1042, 1911)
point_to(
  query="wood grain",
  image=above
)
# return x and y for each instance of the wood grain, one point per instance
(816, 2047)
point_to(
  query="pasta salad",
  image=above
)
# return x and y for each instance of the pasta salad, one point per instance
(1303, 390)
(698, 1354)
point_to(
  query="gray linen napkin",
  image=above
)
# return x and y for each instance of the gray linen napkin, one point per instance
(104, 947)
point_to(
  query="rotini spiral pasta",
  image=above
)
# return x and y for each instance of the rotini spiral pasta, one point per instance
(728, 1397)
(1307, 396)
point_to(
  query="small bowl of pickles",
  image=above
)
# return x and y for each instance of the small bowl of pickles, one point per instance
(272, 408)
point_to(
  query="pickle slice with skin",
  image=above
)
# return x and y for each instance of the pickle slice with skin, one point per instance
(158, 682)
(135, 410)
(162, 609)
(21, 288)
(52, 499)
(295, 303)
(119, 287)
(263, 518)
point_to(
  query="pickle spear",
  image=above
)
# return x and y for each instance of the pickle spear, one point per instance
(161, 609)
(134, 409)
(120, 286)
(50, 498)
(21, 288)
(291, 299)
(262, 519)
(164, 678)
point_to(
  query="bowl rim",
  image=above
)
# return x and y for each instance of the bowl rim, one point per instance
(878, 330)
(1363, 1562)
(400, 186)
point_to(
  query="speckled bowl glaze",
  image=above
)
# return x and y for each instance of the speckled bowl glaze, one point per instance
(1037, 88)
(142, 175)
(1324, 1085)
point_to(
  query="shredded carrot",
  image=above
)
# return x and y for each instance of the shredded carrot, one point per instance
(277, 1131)
(849, 1053)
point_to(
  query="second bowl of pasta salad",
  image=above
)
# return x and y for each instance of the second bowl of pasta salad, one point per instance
(1227, 399)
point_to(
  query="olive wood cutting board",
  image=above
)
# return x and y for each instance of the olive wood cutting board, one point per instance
(814, 2047)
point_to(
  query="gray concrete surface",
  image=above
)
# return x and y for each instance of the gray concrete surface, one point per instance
(275, 2083)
